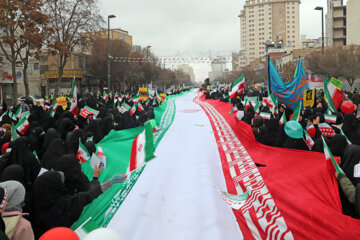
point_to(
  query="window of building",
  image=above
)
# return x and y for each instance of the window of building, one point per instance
(43, 68)
(36, 66)
(43, 59)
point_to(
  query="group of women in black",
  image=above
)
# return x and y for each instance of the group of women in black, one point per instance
(44, 162)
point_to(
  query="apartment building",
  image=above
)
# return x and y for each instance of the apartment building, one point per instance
(336, 23)
(263, 21)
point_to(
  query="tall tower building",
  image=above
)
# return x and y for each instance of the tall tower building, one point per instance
(336, 23)
(263, 21)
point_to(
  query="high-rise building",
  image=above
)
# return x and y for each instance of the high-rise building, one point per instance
(336, 23)
(263, 21)
(187, 69)
(352, 22)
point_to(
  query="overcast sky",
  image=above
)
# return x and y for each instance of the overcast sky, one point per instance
(193, 27)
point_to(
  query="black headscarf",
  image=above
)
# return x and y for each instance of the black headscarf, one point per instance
(96, 127)
(22, 155)
(351, 128)
(70, 166)
(53, 153)
(65, 126)
(36, 137)
(53, 206)
(350, 159)
(295, 144)
(13, 172)
(280, 136)
(337, 145)
(72, 140)
(50, 135)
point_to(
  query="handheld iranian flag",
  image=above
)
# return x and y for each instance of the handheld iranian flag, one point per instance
(1, 108)
(234, 201)
(342, 133)
(296, 114)
(14, 135)
(326, 130)
(142, 149)
(234, 110)
(158, 96)
(283, 119)
(133, 109)
(237, 86)
(330, 118)
(105, 96)
(333, 95)
(88, 110)
(4, 114)
(329, 156)
(124, 108)
(140, 107)
(102, 157)
(16, 115)
(311, 131)
(73, 101)
(22, 126)
(309, 141)
(82, 153)
(55, 106)
(257, 107)
(271, 102)
(265, 115)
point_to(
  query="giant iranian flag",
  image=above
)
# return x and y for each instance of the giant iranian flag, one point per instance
(333, 95)
(237, 86)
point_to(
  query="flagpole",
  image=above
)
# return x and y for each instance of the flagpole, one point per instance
(268, 75)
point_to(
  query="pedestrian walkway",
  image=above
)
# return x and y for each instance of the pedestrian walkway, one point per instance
(176, 197)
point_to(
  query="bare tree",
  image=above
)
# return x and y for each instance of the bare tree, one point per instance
(336, 62)
(69, 19)
(11, 20)
(33, 31)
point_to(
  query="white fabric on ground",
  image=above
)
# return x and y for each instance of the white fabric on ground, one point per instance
(176, 196)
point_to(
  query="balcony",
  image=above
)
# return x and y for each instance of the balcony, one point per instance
(339, 17)
(339, 38)
(339, 28)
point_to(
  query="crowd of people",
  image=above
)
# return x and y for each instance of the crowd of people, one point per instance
(344, 143)
(42, 186)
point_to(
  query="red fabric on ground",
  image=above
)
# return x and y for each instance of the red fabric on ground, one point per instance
(304, 190)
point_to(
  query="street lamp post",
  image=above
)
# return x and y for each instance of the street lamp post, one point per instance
(322, 27)
(107, 55)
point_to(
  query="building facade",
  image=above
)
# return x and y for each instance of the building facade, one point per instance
(187, 69)
(336, 23)
(352, 22)
(264, 21)
(6, 79)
